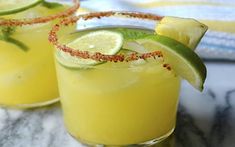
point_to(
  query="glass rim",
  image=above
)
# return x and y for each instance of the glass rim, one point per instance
(97, 56)
(43, 19)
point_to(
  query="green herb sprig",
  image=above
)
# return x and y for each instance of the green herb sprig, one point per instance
(5, 35)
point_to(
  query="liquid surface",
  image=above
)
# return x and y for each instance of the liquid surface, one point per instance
(119, 103)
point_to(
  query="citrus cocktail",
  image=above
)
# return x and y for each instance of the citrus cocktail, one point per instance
(127, 101)
(27, 73)
(119, 84)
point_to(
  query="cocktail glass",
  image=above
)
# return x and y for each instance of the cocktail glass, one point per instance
(27, 73)
(116, 103)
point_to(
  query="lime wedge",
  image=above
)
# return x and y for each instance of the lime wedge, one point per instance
(105, 42)
(184, 61)
(185, 30)
(14, 6)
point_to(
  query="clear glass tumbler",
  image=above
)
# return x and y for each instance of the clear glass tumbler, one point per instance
(115, 103)
(27, 72)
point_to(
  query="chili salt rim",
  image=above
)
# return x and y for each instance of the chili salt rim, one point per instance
(30, 21)
(97, 56)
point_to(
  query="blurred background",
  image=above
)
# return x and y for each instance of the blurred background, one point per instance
(219, 15)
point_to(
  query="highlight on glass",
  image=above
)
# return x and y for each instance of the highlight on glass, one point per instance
(27, 73)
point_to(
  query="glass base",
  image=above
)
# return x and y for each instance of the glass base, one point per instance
(143, 144)
(34, 105)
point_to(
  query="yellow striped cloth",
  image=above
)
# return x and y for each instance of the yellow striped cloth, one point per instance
(219, 15)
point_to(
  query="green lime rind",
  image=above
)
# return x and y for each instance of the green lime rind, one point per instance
(184, 61)
(51, 5)
(17, 7)
(74, 65)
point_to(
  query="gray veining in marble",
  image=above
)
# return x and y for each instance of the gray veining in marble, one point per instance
(204, 119)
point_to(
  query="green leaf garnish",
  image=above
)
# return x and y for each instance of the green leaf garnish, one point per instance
(51, 5)
(5, 35)
(7, 31)
(17, 43)
(132, 34)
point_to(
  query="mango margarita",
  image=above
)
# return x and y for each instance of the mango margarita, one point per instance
(119, 105)
(27, 73)
(119, 85)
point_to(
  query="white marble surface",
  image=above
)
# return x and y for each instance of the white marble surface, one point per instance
(204, 119)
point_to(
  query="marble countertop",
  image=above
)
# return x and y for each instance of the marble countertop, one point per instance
(204, 119)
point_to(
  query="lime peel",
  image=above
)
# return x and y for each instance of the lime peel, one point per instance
(13, 6)
(103, 41)
(183, 60)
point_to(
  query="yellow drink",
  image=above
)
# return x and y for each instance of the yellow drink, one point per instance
(27, 74)
(119, 103)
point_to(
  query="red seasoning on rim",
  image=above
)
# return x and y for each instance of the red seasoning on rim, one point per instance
(97, 56)
(30, 21)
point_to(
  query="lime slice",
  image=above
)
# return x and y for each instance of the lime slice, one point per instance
(14, 6)
(183, 60)
(187, 31)
(105, 42)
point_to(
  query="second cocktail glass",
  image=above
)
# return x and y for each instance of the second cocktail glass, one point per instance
(125, 99)
(27, 73)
